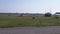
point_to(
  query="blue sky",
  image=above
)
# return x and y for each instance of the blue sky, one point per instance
(29, 6)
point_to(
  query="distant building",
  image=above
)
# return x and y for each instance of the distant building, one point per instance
(20, 14)
(57, 13)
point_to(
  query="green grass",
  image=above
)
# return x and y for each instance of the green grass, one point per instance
(14, 21)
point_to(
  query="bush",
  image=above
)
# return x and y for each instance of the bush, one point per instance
(56, 17)
(33, 17)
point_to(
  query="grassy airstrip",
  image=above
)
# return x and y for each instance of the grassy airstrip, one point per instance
(15, 21)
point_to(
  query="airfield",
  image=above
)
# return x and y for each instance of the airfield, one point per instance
(14, 24)
(12, 20)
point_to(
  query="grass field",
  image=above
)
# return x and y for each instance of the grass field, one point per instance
(15, 21)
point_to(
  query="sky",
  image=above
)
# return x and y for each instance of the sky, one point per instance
(29, 6)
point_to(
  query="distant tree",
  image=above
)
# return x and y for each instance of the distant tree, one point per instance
(47, 14)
